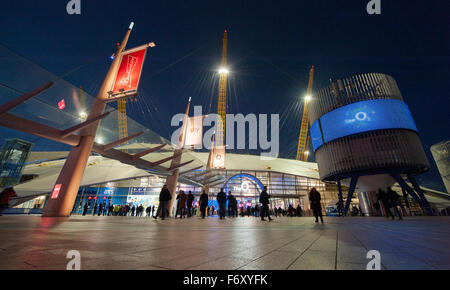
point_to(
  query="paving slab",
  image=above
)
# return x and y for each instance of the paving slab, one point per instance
(33, 242)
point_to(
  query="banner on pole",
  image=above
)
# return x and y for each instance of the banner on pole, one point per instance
(194, 133)
(129, 72)
(219, 157)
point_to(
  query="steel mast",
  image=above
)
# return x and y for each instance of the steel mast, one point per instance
(303, 139)
(222, 104)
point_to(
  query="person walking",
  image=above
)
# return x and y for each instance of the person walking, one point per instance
(385, 202)
(85, 208)
(394, 202)
(314, 200)
(203, 203)
(110, 209)
(232, 203)
(190, 201)
(264, 200)
(182, 198)
(299, 210)
(164, 198)
(222, 201)
(100, 209)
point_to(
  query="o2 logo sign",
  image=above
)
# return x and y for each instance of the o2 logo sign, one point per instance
(74, 7)
(245, 187)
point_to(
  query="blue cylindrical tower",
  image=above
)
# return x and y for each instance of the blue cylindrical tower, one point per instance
(362, 129)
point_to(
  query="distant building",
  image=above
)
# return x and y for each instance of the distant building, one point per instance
(441, 155)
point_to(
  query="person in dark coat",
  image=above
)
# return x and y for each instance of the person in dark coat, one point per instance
(190, 201)
(382, 196)
(110, 209)
(222, 200)
(203, 203)
(100, 209)
(85, 208)
(264, 200)
(164, 198)
(95, 209)
(394, 202)
(314, 199)
(232, 205)
(299, 210)
(181, 208)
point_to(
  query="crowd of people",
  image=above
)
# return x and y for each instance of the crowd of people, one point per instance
(185, 208)
(103, 209)
(388, 203)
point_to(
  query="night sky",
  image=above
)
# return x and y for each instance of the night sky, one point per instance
(272, 45)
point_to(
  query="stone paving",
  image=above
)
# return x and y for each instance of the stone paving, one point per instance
(32, 242)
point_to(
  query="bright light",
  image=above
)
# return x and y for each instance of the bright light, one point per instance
(223, 70)
(83, 115)
(306, 152)
(99, 140)
(308, 98)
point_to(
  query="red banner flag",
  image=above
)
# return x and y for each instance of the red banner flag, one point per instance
(129, 73)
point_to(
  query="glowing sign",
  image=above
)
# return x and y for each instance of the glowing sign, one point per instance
(61, 104)
(316, 136)
(243, 175)
(129, 72)
(244, 187)
(361, 117)
(55, 191)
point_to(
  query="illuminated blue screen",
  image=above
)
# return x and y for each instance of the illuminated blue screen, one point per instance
(316, 136)
(362, 117)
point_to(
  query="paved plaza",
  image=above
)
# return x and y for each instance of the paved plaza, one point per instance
(32, 242)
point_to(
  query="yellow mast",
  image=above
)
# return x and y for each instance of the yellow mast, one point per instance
(222, 104)
(303, 139)
(122, 118)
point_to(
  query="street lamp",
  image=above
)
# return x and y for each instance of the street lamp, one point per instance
(223, 70)
(83, 115)
(308, 98)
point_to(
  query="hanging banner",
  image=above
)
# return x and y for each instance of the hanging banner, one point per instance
(219, 157)
(194, 133)
(129, 72)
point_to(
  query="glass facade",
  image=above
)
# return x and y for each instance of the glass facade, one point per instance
(246, 186)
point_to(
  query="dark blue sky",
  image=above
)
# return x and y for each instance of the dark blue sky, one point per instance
(272, 45)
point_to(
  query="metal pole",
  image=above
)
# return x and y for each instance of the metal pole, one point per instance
(172, 179)
(341, 200)
(351, 190)
(60, 203)
(419, 191)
